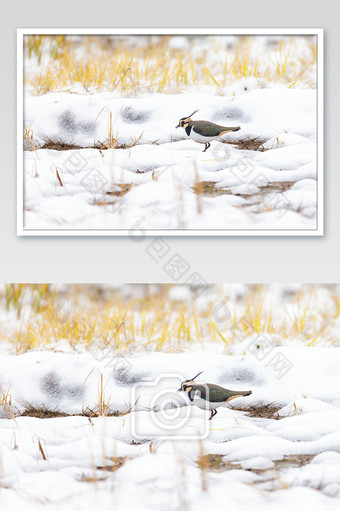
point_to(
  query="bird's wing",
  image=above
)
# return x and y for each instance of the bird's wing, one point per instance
(209, 129)
(218, 394)
(206, 128)
(211, 392)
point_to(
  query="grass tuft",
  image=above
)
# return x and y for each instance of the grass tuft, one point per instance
(5, 397)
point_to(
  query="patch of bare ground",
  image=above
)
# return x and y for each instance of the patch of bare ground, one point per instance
(250, 144)
(215, 463)
(294, 460)
(210, 189)
(59, 146)
(263, 411)
(116, 463)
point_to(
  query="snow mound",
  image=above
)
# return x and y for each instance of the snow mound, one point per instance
(83, 119)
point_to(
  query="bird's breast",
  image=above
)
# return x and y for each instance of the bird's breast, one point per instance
(206, 405)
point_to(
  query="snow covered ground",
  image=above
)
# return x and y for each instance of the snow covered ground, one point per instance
(287, 458)
(165, 181)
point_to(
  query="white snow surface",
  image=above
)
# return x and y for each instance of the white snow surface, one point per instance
(154, 182)
(161, 445)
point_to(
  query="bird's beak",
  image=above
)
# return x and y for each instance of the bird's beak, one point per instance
(177, 126)
(179, 390)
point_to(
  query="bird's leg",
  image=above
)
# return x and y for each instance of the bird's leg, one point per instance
(206, 146)
(213, 413)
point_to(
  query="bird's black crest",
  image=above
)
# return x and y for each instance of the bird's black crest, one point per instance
(188, 116)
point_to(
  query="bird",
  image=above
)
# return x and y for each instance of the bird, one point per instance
(204, 132)
(208, 396)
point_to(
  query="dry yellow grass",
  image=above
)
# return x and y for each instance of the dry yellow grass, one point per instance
(90, 317)
(112, 64)
(5, 397)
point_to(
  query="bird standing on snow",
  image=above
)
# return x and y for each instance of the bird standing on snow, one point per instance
(208, 396)
(203, 132)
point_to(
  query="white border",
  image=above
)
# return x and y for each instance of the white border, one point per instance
(174, 232)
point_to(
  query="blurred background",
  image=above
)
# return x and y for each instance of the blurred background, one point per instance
(166, 317)
(137, 64)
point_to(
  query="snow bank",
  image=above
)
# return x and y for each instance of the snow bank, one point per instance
(70, 382)
(83, 119)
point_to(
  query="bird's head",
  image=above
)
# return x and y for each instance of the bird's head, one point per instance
(183, 123)
(186, 385)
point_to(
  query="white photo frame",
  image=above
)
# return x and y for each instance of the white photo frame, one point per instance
(29, 231)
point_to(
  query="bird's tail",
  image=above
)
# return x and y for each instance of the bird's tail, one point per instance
(234, 394)
(228, 130)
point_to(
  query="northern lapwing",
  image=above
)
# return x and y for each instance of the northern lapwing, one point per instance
(204, 132)
(208, 396)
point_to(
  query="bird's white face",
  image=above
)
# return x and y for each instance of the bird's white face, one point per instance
(183, 123)
(186, 386)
